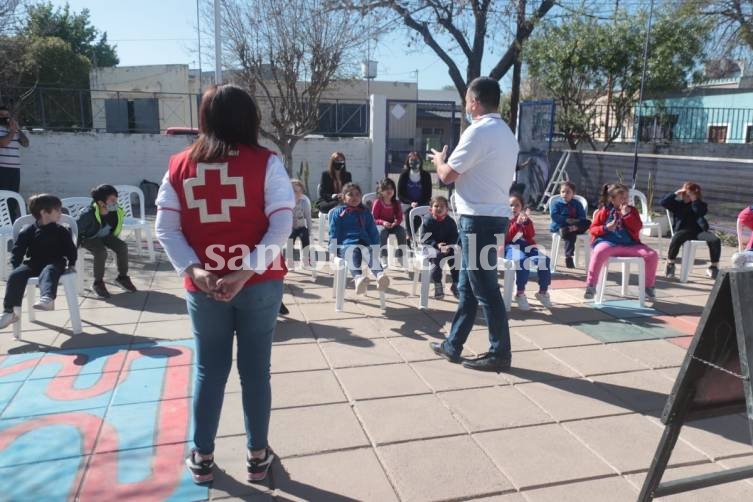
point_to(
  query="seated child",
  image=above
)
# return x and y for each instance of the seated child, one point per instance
(689, 215)
(49, 247)
(569, 219)
(351, 232)
(388, 214)
(521, 248)
(615, 231)
(301, 220)
(744, 256)
(98, 230)
(440, 231)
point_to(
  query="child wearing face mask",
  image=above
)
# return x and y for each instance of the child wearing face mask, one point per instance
(615, 231)
(98, 230)
(413, 187)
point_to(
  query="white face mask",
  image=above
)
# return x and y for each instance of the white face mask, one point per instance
(469, 118)
(112, 207)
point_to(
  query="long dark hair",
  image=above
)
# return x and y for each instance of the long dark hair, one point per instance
(609, 191)
(334, 174)
(228, 117)
(386, 184)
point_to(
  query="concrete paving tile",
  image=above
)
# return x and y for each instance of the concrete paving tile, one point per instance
(346, 330)
(292, 331)
(413, 349)
(345, 355)
(507, 497)
(61, 394)
(442, 375)
(552, 455)
(628, 442)
(737, 491)
(657, 327)
(381, 381)
(681, 341)
(572, 314)
(419, 469)
(230, 472)
(556, 335)
(180, 313)
(132, 301)
(652, 353)
(687, 305)
(478, 342)
(315, 429)
(147, 385)
(624, 309)
(338, 476)
(494, 408)
(31, 341)
(420, 327)
(301, 357)
(595, 359)
(537, 366)
(641, 391)
(165, 330)
(52, 480)
(143, 425)
(314, 312)
(406, 418)
(614, 331)
(617, 488)
(719, 437)
(517, 317)
(305, 388)
(80, 361)
(572, 399)
(110, 316)
(95, 335)
(231, 417)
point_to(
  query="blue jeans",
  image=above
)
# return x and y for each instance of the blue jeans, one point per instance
(525, 260)
(478, 285)
(49, 276)
(353, 255)
(251, 316)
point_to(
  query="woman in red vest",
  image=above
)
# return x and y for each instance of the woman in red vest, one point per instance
(225, 211)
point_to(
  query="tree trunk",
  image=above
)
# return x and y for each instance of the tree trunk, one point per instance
(515, 94)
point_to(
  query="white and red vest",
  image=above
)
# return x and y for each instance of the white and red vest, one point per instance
(222, 205)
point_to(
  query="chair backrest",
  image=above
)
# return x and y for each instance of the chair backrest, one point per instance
(671, 223)
(579, 198)
(637, 195)
(124, 200)
(416, 212)
(76, 205)
(368, 199)
(28, 219)
(453, 206)
(5, 215)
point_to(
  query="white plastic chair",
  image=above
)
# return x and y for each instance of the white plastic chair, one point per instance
(139, 223)
(368, 200)
(69, 280)
(76, 205)
(687, 252)
(584, 239)
(338, 284)
(648, 225)
(453, 206)
(6, 226)
(625, 262)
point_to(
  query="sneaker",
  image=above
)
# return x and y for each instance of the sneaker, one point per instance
(258, 467)
(569, 263)
(101, 289)
(522, 302)
(651, 294)
(45, 303)
(454, 290)
(712, 272)
(125, 283)
(362, 283)
(383, 282)
(7, 319)
(669, 272)
(383, 263)
(283, 309)
(201, 467)
(543, 298)
(590, 292)
(438, 291)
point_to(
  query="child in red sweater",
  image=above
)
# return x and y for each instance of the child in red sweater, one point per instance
(615, 231)
(388, 215)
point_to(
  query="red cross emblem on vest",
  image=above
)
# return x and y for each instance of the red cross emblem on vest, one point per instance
(213, 192)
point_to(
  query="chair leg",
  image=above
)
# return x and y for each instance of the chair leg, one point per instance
(586, 253)
(339, 286)
(642, 283)
(425, 271)
(601, 284)
(4, 259)
(31, 298)
(509, 285)
(70, 287)
(625, 278)
(289, 249)
(137, 233)
(150, 245)
(688, 259)
(556, 238)
(17, 324)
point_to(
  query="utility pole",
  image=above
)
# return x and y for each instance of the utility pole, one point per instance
(198, 37)
(217, 43)
(610, 83)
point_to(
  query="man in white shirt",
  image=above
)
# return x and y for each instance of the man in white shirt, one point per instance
(11, 139)
(482, 167)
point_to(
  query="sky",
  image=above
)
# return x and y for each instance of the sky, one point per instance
(149, 32)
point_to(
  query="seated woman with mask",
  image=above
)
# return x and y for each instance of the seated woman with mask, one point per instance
(413, 187)
(332, 182)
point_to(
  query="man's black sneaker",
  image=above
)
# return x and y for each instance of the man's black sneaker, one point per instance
(438, 348)
(125, 283)
(101, 289)
(283, 309)
(712, 272)
(258, 467)
(669, 272)
(569, 263)
(488, 362)
(201, 468)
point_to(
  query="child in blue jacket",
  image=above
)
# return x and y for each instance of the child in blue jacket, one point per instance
(353, 234)
(569, 219)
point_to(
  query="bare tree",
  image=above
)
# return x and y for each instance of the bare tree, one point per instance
(733, 20)
(288, 54)
(470, 25)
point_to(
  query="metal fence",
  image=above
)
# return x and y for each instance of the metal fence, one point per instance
(153, 112)
(664, 124)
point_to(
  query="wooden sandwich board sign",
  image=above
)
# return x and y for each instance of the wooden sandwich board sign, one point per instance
(714, 380)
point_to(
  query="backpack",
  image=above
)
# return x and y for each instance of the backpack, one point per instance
(150, 190)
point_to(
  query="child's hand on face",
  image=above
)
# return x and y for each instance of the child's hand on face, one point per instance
(611, 225)
(625, 209)
(442, 247)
